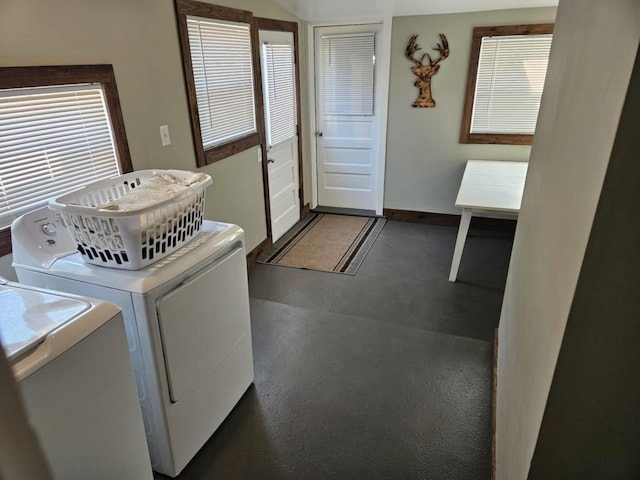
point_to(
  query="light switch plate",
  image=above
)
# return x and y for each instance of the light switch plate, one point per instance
(165, 138)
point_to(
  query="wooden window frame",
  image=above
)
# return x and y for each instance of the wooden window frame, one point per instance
(24, 77)
(215, 12)
(478, 33)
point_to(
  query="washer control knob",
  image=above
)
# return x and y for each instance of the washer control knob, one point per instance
(49, 229)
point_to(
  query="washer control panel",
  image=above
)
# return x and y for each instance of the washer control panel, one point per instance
(40, 237)
(49, 229)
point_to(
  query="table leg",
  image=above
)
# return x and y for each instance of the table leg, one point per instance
(465, 219)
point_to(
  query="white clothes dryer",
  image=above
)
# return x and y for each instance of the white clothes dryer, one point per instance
(187, 320)
(69, 356)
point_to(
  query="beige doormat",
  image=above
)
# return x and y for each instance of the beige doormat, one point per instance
(326, 242)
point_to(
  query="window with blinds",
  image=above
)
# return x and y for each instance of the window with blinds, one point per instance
(507, 71)
(221, 60)
(52, 140)
(348, 74)
(280, 92)
(511, 74)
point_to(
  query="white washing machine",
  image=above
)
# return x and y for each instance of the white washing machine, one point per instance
(187, 321)
(69, 355)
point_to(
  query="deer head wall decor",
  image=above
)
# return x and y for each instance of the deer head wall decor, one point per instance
(425, 72)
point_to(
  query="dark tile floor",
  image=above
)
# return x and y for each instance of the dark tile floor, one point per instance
(381, 375)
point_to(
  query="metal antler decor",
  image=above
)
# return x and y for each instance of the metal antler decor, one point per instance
(425, 72)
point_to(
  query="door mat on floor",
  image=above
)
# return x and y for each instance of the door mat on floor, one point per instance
(326, 242)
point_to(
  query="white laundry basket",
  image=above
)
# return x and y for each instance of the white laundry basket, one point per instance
(133, 239)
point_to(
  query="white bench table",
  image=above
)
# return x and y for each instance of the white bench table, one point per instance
(487, 186)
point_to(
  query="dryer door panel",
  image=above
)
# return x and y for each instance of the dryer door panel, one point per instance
(202, 320)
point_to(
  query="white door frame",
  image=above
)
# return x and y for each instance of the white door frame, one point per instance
(383, 58)
(292, 27)
(283, 151)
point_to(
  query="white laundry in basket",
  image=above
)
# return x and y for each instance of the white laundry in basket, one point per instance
(160, 187)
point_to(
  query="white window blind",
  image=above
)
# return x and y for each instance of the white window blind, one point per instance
(511, 74)
(280, 98)
(52, 140)
(347, 74)
(223, 76)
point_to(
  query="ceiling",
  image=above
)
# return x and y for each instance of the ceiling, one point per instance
(333, 10)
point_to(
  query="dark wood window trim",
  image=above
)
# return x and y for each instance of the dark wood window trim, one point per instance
(22, 77)
(282, 26)
(478, 33)
(216, 12)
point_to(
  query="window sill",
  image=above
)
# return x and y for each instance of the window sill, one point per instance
(496, 139)
(215, 154)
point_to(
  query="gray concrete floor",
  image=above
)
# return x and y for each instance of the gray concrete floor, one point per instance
(381, 375)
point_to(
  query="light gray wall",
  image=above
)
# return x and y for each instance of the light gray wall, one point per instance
(591, 425)
(140, 39)
(425, 160)
(595, 44)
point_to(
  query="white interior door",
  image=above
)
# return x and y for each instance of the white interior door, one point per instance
(347, 116)
(278, 77)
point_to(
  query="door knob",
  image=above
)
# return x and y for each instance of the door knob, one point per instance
(319, 133)
(270, 160)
